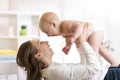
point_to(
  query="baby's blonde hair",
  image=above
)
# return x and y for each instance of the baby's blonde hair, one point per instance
(45, 20)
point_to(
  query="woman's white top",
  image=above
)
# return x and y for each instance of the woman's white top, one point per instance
(80, 71)
(103, 63)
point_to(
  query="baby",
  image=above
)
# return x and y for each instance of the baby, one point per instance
(51, 24)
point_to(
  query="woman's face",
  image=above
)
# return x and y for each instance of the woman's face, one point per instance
(44, 50)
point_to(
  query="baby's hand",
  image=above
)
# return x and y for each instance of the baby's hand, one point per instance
(69, 41)
(66, 49)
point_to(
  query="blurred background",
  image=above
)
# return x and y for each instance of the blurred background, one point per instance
(17, 13)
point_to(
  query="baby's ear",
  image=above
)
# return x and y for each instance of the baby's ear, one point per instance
(38, 56)
(52, 23)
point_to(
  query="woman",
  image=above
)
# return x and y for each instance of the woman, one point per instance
(36, 57)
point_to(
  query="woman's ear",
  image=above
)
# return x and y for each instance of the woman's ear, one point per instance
(38, 56)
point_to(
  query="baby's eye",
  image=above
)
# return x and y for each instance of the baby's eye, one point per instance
(45, 32)
(41, 42)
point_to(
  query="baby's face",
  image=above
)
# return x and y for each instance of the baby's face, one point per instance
(51, 31)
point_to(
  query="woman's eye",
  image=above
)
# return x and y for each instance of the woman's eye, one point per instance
(39, 42)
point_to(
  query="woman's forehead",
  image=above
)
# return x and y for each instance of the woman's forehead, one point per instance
(35, 41)
(38, 41)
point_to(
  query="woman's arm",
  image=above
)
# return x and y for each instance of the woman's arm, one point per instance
(72, 71)
(78, 71)
(92, 65)
(74, 32)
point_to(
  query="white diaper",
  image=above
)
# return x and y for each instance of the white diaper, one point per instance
(97, 27)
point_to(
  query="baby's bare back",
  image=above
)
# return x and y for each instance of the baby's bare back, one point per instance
(69, 28)
(71, 31)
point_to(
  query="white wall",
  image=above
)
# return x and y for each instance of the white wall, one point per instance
(4, 5)
(105, 12)
(35, 5)
(113, 24)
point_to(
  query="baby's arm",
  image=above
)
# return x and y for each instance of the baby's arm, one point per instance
(76, 31)
(68, 45)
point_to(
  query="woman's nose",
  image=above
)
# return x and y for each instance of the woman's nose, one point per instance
(47, 43)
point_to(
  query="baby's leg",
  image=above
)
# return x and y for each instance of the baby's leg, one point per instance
(95, 40)
(109, 57)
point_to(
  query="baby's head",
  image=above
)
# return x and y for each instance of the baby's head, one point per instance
(49, 23)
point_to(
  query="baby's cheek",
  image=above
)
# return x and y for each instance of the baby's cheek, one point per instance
(63, 35)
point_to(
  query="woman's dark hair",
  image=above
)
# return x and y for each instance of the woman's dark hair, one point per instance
(25, 58)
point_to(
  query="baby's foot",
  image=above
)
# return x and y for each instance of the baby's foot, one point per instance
(115, 65)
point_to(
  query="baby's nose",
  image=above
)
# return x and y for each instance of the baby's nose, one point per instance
(49, 35)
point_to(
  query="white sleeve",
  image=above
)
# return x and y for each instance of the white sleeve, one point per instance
(69, 71)
(82, 56)
(92, 65)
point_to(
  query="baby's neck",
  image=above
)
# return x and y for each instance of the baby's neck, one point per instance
(59, 28)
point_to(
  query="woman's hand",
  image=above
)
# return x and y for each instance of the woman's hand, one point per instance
(82, 37)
